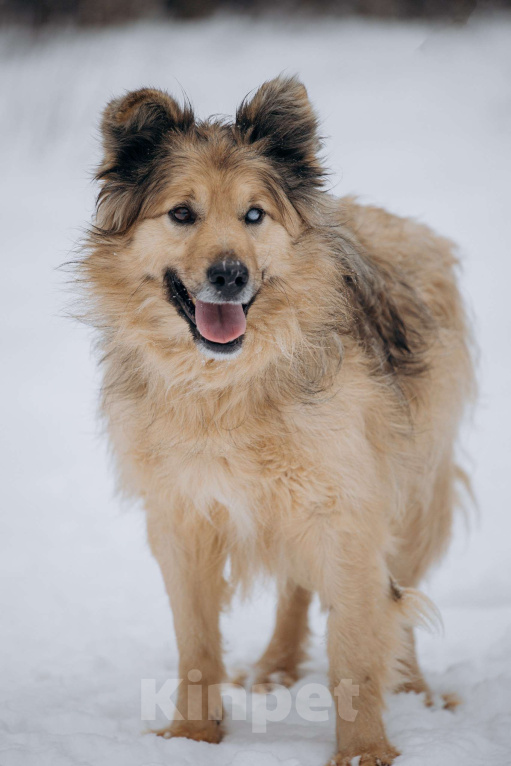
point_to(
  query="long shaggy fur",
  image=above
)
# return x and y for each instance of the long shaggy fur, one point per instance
(324, 453)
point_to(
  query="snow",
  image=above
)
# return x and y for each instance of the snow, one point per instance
(418, 118)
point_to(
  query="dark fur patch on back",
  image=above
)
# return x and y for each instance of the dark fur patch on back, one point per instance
(390, 318)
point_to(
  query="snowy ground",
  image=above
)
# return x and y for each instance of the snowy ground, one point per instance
(419, 119)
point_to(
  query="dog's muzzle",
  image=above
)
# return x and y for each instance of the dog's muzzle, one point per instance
(217, 315)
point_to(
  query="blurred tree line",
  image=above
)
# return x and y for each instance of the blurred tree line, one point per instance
(100, 12)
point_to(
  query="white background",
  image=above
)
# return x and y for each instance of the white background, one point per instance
(417, 118)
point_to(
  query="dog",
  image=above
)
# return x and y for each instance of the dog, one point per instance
(284, 378)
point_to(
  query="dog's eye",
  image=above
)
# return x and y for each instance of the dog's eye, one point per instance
(254, 215)
(183, 214)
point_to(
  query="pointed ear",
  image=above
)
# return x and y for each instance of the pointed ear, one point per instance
(134, 126)
(279, 121)
(135, 129)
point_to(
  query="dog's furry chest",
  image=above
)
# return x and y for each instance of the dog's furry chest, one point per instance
(258, 470)
(242, 474)
(257, 475)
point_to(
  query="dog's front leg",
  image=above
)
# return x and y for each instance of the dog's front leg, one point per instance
(191, 555)
(364, 632)
(341, 553)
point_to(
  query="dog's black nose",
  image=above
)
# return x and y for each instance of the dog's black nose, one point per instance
(228, 277)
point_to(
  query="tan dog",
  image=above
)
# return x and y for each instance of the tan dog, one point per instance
(284, 377)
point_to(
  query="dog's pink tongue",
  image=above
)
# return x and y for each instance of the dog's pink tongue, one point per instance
(220, 322)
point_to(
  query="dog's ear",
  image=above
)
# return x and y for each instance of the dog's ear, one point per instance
(280, 122)
(135, 129)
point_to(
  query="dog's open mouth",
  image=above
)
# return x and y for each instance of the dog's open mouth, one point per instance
(219, 327)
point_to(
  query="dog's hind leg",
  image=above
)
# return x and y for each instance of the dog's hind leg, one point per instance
(424, 535)
(413, 680)
(192, 555)
(280, 663)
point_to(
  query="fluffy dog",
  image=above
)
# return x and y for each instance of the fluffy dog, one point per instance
(284, 377)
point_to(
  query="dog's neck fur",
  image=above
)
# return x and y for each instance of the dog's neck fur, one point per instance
(208, 396)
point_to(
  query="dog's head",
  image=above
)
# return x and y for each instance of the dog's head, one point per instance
(196, 242)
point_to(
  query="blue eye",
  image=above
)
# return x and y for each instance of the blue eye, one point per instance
(254, 215)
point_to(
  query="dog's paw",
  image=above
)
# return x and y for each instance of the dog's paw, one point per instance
(239, 677)
(267, 681)
(451, 701)
(200, 731)
(417, 686)
(263, 680)
(447, 701)
(376, 755)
